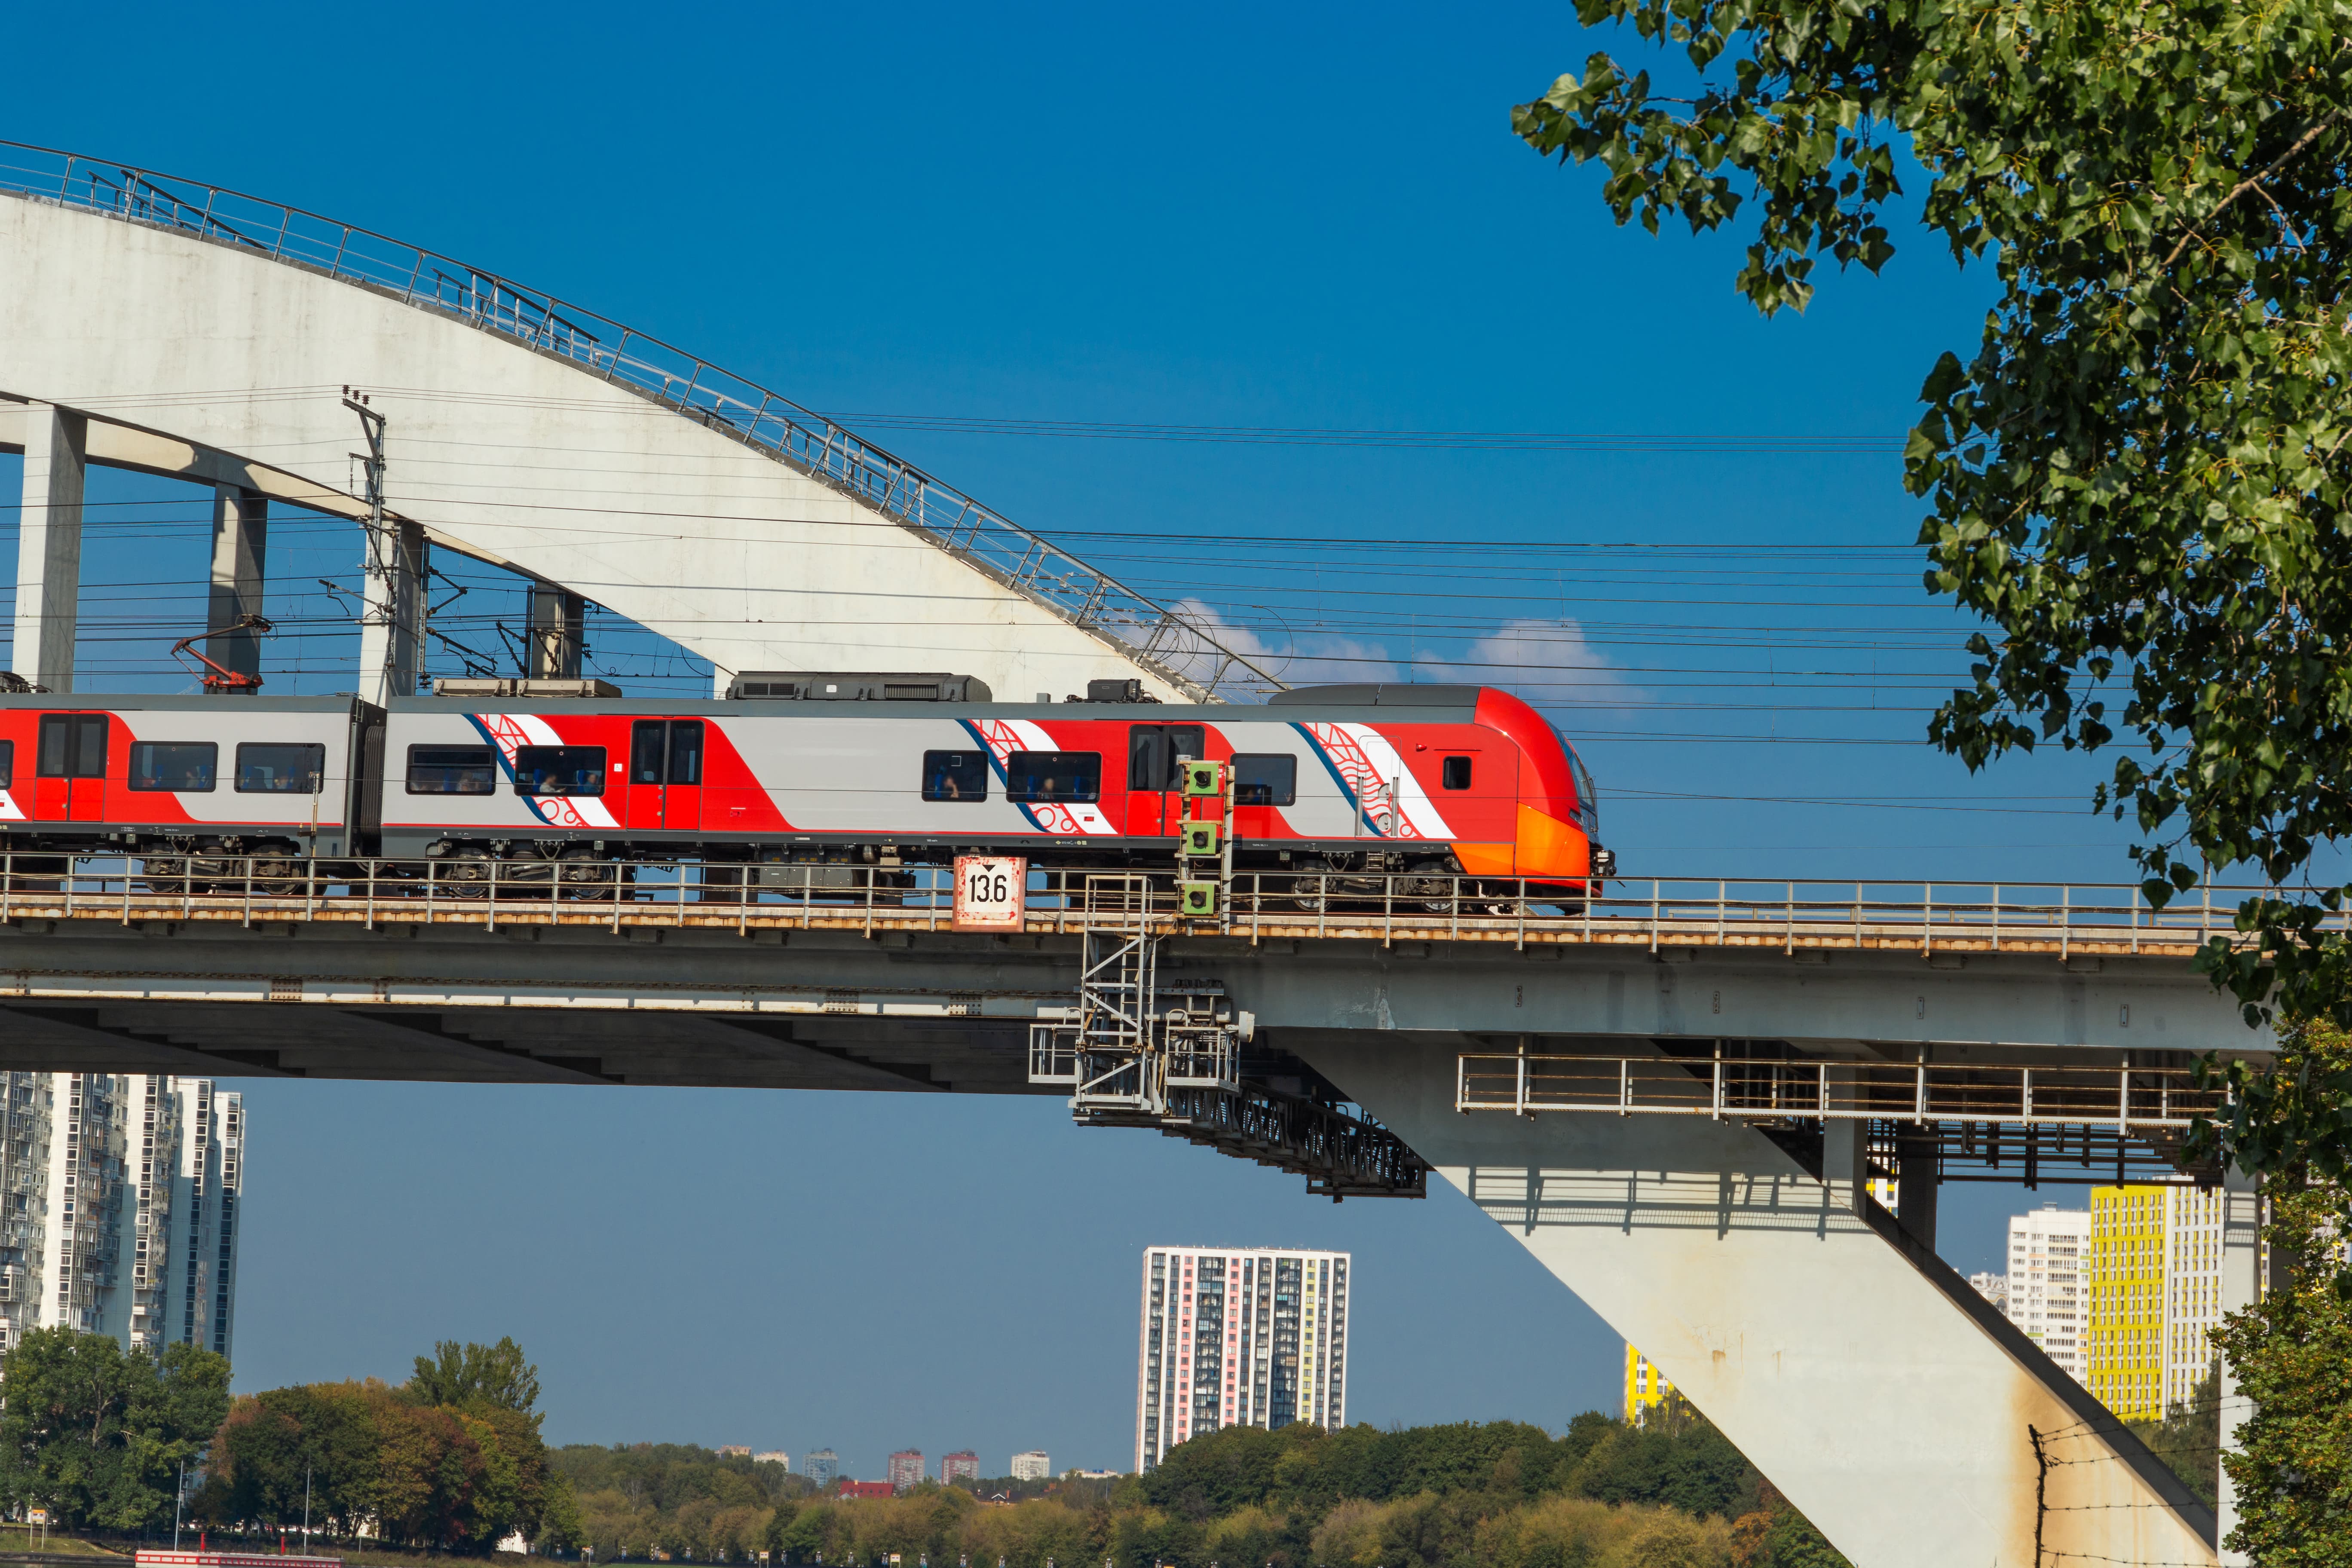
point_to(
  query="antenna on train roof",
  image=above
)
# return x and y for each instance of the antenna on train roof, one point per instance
(218, 677)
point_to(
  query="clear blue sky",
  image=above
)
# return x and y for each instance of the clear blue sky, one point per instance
(1308, 215)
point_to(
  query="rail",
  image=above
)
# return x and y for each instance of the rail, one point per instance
(1801, 918)
(1181, 647)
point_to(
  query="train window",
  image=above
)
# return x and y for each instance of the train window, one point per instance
(559, 769)
(270, 767)
(1152, 751)
(72, 746)
(1271, 779)
(686, 751)
(178, 765)
(955, 775)
(8, 764)
(665, 751)
(451, 769)
(1053, 775)
(1457, 772)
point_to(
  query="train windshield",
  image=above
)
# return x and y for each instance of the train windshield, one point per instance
(1587, 801)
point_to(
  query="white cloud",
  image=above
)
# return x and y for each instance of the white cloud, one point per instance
(1549, 662)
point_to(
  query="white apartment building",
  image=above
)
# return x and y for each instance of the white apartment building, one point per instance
(2192, 1288)
(2049, 1293)
(118, 1207)
(1036, 1465)
(1993, 1287)
(1253, 1336)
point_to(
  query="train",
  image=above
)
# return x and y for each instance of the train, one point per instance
(796, 780)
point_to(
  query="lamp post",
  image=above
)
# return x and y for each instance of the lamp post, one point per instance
(179, 1499)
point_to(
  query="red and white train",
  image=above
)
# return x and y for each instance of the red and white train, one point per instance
(1431, 779)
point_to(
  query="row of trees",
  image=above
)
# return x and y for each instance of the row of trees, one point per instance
(1673, 1494)
(450, 1459)
(100, 1436)
(686, 1502)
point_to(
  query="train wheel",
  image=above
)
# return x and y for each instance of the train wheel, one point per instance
(1311, 895)
(584, 877)
(1429, 888)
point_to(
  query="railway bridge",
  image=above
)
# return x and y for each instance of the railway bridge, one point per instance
(1676, 1096)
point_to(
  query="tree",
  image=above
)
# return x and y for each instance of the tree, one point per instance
(2292, 1354)
(2139, 479)
(469, 1377)
(97, 1434)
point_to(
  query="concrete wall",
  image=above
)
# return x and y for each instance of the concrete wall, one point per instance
(516, 455)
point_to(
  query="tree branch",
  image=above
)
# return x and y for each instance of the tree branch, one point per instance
(2251, 181)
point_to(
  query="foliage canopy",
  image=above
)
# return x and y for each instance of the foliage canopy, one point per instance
(97, 1434)
(2138, 479)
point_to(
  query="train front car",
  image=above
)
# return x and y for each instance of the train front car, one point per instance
(1442, 781)
(199, 789)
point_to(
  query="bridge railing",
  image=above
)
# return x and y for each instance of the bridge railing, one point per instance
(1176, 644)
(1800, 918)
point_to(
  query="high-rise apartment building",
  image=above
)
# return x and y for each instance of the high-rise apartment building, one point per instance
(961, 1466)
(1993, 1287)
(1036, 1465)
(774, 1457)
(2048, 1286)
(2156, 1294)
(906, 1469)
(1238, 1336)
(1646, 1386)
(822, 1466)
(119, 1208)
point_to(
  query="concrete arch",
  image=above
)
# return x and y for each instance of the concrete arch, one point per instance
(525, 432)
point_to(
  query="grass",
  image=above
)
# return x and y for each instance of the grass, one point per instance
(31, 1538)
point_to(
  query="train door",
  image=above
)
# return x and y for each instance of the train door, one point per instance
(666, 775)
(69, 768)
(1154, 808)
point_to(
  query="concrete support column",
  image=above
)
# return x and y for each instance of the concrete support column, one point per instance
(558, 628)
(241, 552)
(2242, 1287)
(1892, 1404)
(49, 546)
(392, 624)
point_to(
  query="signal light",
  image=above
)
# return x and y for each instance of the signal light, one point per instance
(1204, 778)
(1202, 839)
(1196, 899)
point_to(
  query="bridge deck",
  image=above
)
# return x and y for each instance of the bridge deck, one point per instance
(1796, 917)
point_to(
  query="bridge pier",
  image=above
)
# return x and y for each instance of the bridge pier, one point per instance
(240, 553)
(1902, 1413)
(49, 545)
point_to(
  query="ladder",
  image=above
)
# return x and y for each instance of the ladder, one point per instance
(1134, 1039)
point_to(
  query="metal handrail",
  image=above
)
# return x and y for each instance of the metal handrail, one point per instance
(1799, 918)
(1169, 640)
(2130, 1099)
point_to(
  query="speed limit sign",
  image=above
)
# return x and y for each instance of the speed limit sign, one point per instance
(991, 892)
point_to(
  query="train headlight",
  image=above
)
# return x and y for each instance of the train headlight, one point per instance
(1604, 861)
